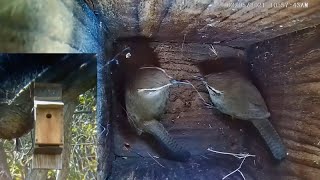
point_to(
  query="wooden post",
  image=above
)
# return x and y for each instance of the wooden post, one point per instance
(48, 113)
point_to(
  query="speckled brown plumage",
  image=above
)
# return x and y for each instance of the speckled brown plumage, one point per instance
(145, 108)
(240, 99)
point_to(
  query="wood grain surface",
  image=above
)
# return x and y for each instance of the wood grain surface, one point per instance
(287, 70)
(206, 21)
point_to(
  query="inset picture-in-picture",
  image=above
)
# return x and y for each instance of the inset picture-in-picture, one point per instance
(47, 122)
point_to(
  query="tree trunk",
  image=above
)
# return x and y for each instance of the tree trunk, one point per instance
(4, 168)
(68, 113)
(60, 26)
(38, 174)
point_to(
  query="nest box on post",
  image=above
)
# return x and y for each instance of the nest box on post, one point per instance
(48, 113)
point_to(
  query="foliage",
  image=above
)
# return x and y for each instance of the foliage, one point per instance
(83, 160)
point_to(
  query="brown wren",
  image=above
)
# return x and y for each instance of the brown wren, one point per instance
(233, 94)
(146, 96)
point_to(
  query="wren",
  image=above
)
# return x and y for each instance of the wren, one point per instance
(146, 96)
(233, 94)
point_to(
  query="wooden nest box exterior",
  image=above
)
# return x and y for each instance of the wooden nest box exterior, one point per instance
(48, 113)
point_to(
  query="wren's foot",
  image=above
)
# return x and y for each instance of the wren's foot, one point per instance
(209, 106)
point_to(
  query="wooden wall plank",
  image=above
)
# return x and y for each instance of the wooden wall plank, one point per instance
(49, 130)
(289, 77)
(45, 161)
(240, 24)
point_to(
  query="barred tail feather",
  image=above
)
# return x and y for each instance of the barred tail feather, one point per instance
(173, 149)
(271, 138)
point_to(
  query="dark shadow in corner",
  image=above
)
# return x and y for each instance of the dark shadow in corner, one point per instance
(141, 55)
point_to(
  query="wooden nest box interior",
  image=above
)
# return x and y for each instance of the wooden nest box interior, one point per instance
(279, 50)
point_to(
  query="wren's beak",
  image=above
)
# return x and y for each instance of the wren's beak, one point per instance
(174, 82)
(217, 92)
(199, 78)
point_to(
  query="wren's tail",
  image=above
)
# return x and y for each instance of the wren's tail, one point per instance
(172, 148)
(271, 137)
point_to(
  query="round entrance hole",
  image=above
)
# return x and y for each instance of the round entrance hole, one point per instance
(48, 115)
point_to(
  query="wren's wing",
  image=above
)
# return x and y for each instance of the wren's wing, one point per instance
(151, 78)
(242, 97)
(257, 108)
(172, 148)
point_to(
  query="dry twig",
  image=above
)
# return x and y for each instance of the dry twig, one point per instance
(213, 50)
(155, 160)
(154, 89)
(158, 68)
(238, 169)
(209, 105)
(157, 88)
(239, 156)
